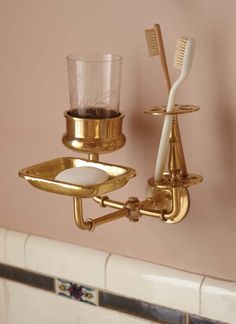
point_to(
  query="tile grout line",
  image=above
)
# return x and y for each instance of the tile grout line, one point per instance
(25, 244)
(105, 271)
(187, 318)
(200, 295)
(6, 296)
(5, 290)
(5, 246)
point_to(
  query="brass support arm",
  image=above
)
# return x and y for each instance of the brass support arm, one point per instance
(179, 201)
(105, 201)
(91, 224)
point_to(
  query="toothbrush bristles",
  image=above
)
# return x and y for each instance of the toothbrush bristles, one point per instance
(152, 42)
(179, 52)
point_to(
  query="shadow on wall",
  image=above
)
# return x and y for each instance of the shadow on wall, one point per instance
(220, 70)
(145, 131)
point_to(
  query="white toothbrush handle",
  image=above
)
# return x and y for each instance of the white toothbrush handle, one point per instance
(163, 148)
(165, 135)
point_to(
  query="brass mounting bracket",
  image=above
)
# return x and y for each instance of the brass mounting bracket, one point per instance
(175, 202)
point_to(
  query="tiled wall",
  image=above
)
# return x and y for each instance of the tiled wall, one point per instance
(51, 282)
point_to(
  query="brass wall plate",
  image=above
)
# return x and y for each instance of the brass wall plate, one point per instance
(162, 199)
(42, 176)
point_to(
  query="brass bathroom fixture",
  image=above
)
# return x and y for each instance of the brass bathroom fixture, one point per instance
(168, 199)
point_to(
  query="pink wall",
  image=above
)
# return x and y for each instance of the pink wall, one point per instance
(35, 38)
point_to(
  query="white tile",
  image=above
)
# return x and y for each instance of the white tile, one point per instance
(3, 233)
(28, 305)
(154, 283)
(90, 315)
(2, 303)
(15, 248)
(219, 300)
(66, 261)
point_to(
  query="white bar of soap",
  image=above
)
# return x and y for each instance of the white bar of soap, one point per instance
(83, 176)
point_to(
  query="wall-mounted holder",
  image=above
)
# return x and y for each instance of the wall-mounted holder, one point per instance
(168, 199)
(94, 127)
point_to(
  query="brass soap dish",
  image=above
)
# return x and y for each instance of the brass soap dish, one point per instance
(42, 176)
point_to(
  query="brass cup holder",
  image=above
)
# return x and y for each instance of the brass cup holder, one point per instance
(99, 135)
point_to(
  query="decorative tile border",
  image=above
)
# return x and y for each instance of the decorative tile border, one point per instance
(76, 291)
(99, 298)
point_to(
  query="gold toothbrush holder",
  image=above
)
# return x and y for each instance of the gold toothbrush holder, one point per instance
(174, 184)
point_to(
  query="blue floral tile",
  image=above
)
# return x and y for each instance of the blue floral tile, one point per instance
(76, 291)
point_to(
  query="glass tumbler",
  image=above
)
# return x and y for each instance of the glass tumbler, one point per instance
(94, 85)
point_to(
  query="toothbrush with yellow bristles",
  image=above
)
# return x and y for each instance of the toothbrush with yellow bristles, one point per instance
(182, 61)
(156, 47)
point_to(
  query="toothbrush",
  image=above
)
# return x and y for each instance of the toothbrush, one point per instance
(156, 47)
(182, 61)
